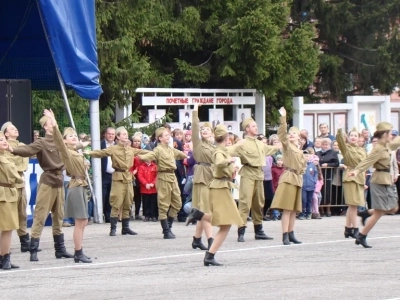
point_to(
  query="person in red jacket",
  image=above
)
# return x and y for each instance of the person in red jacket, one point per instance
(276, 171)
(146, 175)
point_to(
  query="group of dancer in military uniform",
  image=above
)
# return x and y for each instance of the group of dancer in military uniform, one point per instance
(212, 203)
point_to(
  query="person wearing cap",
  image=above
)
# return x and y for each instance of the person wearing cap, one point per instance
(203, 151)
(50, 191)
(121, 194)
(383, 192)
(288, 195)
(9, 179)
(75, 164)
(168, 192)
(353, 187)
(223, 212)
(11, 133)
(251, 192)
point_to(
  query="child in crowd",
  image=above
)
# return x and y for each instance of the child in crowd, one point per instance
(276, 170)
(317, 191)
(147, 175)
(310, 178)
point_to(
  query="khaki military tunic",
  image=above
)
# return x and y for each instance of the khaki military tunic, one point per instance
(76, 205)
(168, 193)
(50, 195)
(121, 194)
(288, 195)
(222, 204)
(383, 195)
(203, 151)
(22, 165)
(9, 179)
(353, 187)
(251, 192)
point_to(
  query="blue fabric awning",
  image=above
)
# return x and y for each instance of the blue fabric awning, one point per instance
(25, 52)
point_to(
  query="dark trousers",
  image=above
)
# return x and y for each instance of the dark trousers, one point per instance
(307, 197)
(137, 198)
(268, 195)
(106, 202)
(150, 207)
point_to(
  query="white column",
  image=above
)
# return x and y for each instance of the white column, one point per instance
(260, 113)
(298, 112)
(96, 162)
(122, 112)
(386, 110)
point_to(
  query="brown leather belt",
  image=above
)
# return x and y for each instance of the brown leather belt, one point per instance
(167, 171)
(224, 179)
(6, 185)
(291, 170)
(204, 164)
(383, 170)
(247, 165)
(55, 172)
(78, 177)
(120, 170)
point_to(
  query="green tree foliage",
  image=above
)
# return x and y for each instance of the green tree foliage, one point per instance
(360, 44)
(206, 44)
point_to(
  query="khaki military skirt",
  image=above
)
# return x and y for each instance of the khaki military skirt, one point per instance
(76, 204)
(8, 216)
(287, 197)
(201, 197)
(383, 197)
(223, 208)
(353, 193)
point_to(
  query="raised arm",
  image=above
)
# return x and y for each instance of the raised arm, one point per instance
(341, 141)
(220, 160)
(28, 150)
(139, 151)
(61, 147)
(282, 130)
(179, 154)
(372, 158)
(100, 153)
(394, 144)
(150, 156)
(270, 150)
(195, 127)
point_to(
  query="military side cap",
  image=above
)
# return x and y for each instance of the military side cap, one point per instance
(384, 126)
(68, 130)
(294, 129)
(220, 130)
(43, 120)
(206, 124)
(5, 126)
(119, 130)
(246, 122)
(159, 131)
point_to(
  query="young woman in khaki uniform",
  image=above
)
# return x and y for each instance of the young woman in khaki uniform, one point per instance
(168, 193)
(288, 194)
(8, 202)
(383, 193)
(203, 150)
(75, 165)
(223, 210)
(353, 187)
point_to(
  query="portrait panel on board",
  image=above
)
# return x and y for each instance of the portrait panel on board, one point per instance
(156, 114)
(185, 119)
(241, 115)
(232, 126)
(215, 117)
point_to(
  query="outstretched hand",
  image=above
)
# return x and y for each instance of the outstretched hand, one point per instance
(282, 111)
(49, 113)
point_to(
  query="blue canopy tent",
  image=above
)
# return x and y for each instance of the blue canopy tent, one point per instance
(53, 43)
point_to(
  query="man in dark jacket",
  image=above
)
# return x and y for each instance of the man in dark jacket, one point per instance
(328, 159)
(107, 171)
